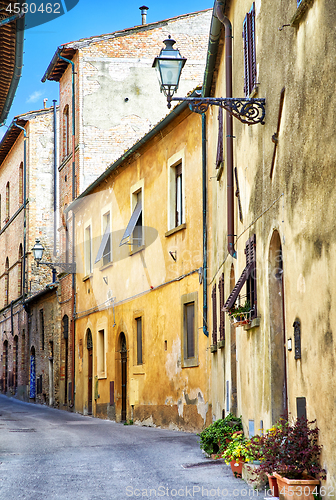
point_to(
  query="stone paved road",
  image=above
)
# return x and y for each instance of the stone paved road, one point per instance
(49, 454)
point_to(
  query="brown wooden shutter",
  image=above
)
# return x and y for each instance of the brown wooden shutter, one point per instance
(214, 315)
(250, 67)
(190, 330)
(221, 308)
(251, 285)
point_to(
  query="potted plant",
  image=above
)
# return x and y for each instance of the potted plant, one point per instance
(237, 452)
(214, 438)
(291, 453)
(240, 315)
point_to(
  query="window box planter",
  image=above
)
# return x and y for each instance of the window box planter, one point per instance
(241, 318)
(296, 489)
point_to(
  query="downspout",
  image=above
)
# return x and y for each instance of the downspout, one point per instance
(24, 212)
(55, 187)
(73, 227)
(219, 9)
(205, 229)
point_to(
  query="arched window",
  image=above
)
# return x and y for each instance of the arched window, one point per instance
(7, 201)
(66, 130)
(21, 183)
(19, 274)
(6, 282)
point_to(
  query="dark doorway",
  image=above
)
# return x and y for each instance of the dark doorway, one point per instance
(16, 362)
(233, 402)
(123, 352)
(66, 354)
(90, 359)
(5, 365)
(32, 381)
(279, 398)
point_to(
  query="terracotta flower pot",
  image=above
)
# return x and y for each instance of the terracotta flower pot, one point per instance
(296, 489)
(237, 467)
(273, 484)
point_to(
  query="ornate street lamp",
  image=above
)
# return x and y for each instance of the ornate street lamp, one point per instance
(38, 250)
(169, 65)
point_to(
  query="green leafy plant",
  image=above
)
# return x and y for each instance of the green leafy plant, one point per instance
(238, 449)
(214, 438)
(238, 311)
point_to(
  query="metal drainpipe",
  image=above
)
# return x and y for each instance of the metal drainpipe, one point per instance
(205, 229)
(55, 186)
(24, 211)
(229, 129)
(73, 226)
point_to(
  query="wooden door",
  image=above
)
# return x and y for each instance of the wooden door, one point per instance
(123, 384)
(90, 381)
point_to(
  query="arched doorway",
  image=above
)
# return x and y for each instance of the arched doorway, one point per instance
(123, 355)
(65, 352)
(5, 366)
(32, 379)
(277, 329)
(233, 404)
(89, 346)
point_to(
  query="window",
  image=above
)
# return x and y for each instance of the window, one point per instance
(105, 248)
(21, 183)
(101, 353)
(139, 340)
(66, 130)
(248, 276)
(250, 67)
(178, 195)
(6, 282)
(88, 250)
(133, 234)
(176, 190)
(42, 328)
(7, 202)
(189, 330)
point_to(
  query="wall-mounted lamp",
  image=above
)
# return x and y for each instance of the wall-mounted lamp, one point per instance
(169, 65)
(38, 250)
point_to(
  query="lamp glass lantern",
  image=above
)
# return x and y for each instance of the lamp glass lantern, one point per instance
(169, 65)
(38, 250)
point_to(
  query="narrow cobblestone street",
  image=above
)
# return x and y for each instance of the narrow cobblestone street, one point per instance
(52, 454)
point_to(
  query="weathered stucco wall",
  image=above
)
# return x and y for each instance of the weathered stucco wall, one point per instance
(148, 283)
(296, 203)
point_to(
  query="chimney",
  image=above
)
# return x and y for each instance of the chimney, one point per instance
(143, 13)
(45, 103)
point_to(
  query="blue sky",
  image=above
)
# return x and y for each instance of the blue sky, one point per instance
(88, 18)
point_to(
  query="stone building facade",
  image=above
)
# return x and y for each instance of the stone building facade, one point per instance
(110, 83)
(283, 176)
(22, 221)
(141, 351)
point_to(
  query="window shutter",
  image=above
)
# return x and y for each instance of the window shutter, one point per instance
(214, 315)
(221, 308)
(251, 285)
(246, 65)
(250, 68)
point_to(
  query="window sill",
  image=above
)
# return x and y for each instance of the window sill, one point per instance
(102, 268)
(176, 229)
(213, 348)
(254, 324)
(138, 370)
(190, 363)
(88, 276)
(139, 249)
(300, 11)
(102, 376)
(221, 344)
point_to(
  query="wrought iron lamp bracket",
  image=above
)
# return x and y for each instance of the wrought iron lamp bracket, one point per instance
(246, 110)
(64, 266)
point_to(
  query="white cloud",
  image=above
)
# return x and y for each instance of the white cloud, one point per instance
(35, 96)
